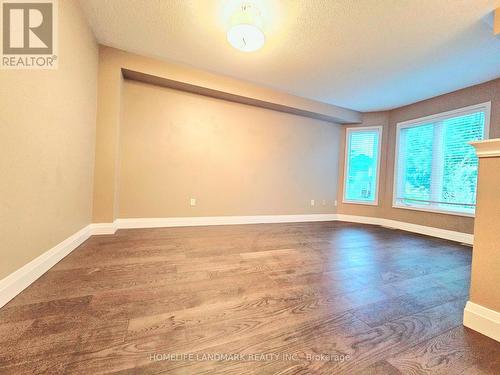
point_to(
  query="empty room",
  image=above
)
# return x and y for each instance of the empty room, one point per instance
(250, 187)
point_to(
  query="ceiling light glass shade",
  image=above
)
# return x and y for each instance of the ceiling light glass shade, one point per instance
(245, 37)
(245, 31)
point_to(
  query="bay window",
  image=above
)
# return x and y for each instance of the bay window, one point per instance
(436, 167)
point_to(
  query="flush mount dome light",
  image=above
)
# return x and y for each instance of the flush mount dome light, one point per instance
(246, 38)
(244, 33)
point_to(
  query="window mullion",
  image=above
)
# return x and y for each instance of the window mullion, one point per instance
(437, 163)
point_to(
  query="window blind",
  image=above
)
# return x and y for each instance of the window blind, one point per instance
(362, 155)
(437, 167)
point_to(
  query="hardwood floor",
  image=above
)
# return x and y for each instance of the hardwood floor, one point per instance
(326, 298)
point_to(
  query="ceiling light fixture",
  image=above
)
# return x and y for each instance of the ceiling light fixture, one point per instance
(245, 32)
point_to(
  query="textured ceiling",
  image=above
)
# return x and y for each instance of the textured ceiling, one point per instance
(361, 54)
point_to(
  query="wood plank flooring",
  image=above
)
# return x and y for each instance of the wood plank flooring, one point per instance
(300, 298)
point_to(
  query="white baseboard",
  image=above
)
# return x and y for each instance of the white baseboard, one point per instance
(110, 228)
(23, 277)
(17, 281)
(482, 320)
(415, 228)
(103, 228)
(218, 220)
(360, 219)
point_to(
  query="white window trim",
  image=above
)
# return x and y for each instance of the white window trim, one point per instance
(346, 163)
(486, 107)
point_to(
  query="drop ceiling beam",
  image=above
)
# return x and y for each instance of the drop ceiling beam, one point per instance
(343, 116)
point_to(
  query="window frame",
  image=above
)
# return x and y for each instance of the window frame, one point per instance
(481, 107)
(350, 130)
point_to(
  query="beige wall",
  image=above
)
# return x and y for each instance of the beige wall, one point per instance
(234, 159)
(485, 276)
(489, 91)
(47, 135)
(107, 189)
(112, 61)
(107, 133)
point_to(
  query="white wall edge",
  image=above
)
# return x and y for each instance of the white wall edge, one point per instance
(219, 220)
(482, 320)
(103, 228)
(16, 282)
(451, 235)
(263, 219)
(360, 219)
(19, 280)
(415, 228)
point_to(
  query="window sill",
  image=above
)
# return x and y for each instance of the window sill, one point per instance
(435, 211)
(360, 202)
